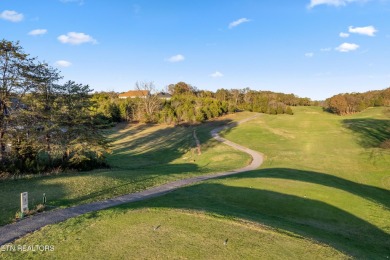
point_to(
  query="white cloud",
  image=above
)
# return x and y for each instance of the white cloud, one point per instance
(62, 63)
(347, 47)
(314, 3)
(368, 30)
(75, 38)
(325, 49)
(11, 16)
(344, 35)
(37, 32)
(216, 74)
(238, 22)
(309, 54)
(176, 58)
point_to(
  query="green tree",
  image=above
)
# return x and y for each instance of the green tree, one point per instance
(16, 71)
(127, 109)
(181, 88)
(81, 143)
(41, 110)
(44, 124)
(223, 95)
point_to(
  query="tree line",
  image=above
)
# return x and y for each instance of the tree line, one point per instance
(50, 126)
(190, 105)
(44, 125)
(349, 103)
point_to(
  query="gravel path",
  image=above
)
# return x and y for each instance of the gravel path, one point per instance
(11, 232)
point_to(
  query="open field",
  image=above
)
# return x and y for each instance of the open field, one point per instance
(323, 192)
(143, 156)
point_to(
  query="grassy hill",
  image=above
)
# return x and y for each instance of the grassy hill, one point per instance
(323, 192)
(143, 156)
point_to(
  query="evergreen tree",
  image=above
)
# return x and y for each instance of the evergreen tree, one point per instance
(43, 124)
(16, 70)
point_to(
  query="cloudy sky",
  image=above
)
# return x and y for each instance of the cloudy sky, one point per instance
(313, 48)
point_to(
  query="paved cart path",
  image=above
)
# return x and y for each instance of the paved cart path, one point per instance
(11, 232)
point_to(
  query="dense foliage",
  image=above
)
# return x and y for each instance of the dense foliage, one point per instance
(349, 103)
(189, 105)
(44, 125)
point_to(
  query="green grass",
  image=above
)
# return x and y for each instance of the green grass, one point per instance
(143, 156)
(317, 141)
(180, 235)
(323, 192)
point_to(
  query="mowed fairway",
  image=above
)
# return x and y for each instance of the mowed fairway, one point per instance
(143, 156)
(322, 193)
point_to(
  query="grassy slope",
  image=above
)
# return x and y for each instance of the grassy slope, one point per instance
(321, 181)
(332, 163)
(143, 156)
(181, 235)
(317, 141)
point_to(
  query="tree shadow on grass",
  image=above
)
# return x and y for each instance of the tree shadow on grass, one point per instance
(372, 132)
(122, 130)
(136, 165)
(304, 216)
(145, 162)
(10, 196)
(159, 148)
(372, 193)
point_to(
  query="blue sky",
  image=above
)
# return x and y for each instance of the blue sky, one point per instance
(312, 48)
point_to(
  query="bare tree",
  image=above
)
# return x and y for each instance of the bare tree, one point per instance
(149, 103)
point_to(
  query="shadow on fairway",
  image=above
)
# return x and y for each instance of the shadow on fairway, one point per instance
(374, 194)
(132, 168)
(304, 216)
(162, 146)
(371, 132)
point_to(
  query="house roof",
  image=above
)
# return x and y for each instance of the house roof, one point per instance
(135, 93)
(164, 95)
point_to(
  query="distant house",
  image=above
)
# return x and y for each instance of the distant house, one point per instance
(143, 94)
(135, 94)
(164, 95)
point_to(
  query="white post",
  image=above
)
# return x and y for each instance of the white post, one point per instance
(24, 202)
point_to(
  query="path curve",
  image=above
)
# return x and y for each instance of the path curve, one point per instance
(11, 232)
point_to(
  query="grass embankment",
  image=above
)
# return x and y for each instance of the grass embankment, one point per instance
(167, 234)
(323, 189)
(143, 156)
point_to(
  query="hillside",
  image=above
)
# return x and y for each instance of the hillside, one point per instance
(321, 188)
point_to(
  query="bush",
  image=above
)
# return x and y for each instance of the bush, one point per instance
(289, 111)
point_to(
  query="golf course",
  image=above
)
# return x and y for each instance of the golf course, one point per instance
(322, 192)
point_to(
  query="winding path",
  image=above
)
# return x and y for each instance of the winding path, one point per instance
(11, 232)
